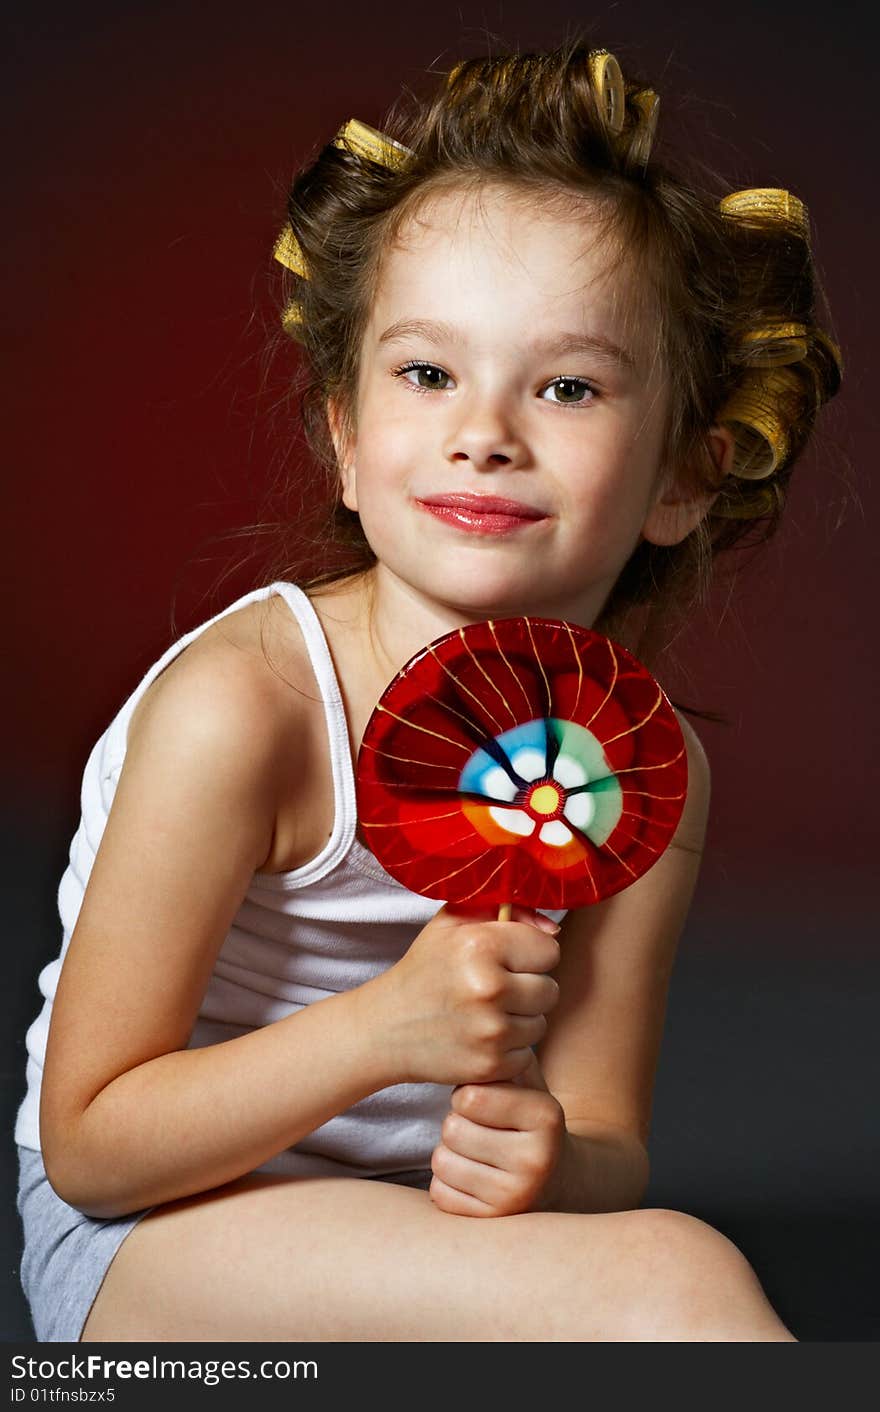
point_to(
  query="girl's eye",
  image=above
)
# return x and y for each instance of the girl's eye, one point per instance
(573, 392)
(429, 378)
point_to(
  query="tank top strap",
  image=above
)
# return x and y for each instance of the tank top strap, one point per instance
(345, 804)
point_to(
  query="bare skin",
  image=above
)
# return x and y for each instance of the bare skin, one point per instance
(413, 1272)
(341, 1260)
(531, 1228)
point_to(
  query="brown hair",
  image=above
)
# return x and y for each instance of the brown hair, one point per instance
(724, 285)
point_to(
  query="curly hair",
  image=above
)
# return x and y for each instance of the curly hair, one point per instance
(733, 287)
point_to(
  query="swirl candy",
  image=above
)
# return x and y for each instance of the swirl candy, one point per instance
(524, 760)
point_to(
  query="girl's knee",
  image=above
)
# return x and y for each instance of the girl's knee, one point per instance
(683, 1250)
(685, 1280)
(682, 1237)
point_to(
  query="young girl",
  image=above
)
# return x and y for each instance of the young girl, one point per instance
(277, 1095)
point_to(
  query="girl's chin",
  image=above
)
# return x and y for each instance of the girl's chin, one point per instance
(476, 602)
(470, 589)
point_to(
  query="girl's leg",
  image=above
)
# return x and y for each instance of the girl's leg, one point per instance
(342, 1260)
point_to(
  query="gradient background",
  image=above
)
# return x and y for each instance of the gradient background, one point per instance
(151, 147)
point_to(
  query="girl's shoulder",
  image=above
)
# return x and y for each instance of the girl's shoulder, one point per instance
(254, 651)
(248, 678)
(691, 831)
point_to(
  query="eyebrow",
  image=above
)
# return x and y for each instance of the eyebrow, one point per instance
(439, 332)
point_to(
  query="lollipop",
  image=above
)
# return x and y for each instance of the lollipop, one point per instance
(524, 760)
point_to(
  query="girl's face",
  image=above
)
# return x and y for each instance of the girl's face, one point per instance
(509, 429)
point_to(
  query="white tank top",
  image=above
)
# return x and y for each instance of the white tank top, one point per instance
(300, 936)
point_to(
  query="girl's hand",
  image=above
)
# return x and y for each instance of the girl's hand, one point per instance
(467, 1000)
(502, 1144)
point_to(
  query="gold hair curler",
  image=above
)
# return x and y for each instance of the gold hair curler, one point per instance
(608, 87)
(757, 414)
(362, 141)
(767, 203)
(373, 146)
(771, 346)
(648, 104)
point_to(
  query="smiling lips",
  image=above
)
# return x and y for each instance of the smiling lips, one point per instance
(481, 514)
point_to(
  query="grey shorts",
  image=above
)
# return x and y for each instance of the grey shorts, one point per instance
(66, 1254)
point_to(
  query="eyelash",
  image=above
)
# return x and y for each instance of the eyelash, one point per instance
(562, 377)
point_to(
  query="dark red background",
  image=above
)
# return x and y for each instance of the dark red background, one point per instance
(151, 148)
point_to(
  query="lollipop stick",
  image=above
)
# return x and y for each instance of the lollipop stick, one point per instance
(505, 911)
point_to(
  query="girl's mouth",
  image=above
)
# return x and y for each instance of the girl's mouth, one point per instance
(482, 514)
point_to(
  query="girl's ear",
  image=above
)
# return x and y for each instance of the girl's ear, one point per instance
(344, 449)
(676, 511)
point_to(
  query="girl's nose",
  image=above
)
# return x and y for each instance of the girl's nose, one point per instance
(486, 437)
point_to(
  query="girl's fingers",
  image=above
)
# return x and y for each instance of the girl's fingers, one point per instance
(530, 950)
(458, 1203)
(472, 1140)
(506, 1105)
(535, 919)
(524, 1030)
(531, 995)
(483, 1183)
(456, 911)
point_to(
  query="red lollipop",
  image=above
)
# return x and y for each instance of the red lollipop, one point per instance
(524, 760)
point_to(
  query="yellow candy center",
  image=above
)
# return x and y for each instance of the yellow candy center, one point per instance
(545, 799)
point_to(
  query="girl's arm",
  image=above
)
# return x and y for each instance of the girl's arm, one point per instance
(599, 1055)
(130, 1117)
